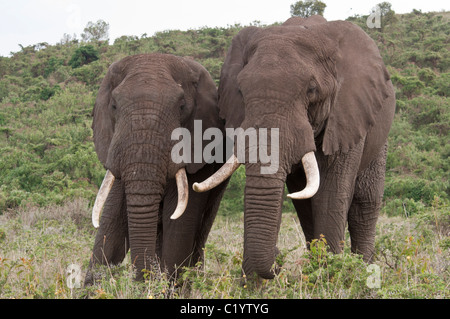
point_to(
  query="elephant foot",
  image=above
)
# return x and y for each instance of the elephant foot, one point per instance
(88, 279)
(91, 275)
(94, 274)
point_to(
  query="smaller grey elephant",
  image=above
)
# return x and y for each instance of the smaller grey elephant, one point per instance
(148, 208)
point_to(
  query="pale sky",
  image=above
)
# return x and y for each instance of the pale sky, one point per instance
(33, 21)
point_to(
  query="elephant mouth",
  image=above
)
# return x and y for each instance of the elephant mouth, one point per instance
(309, 164)
(108, 181)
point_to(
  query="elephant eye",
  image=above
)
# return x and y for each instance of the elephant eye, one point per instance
(312, 91)
(113, 103)
(182, 104)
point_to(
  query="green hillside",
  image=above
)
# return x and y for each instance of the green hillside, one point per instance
(47, 94)
(47, 158)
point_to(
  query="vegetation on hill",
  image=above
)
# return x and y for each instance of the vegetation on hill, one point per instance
(47, 93)
(47, 158)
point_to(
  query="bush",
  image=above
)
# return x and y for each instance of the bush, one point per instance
(441, 84)
(84, 55)
(339, 273)
(419, 190)
(409, 85)
(47, 92)
(403, 207)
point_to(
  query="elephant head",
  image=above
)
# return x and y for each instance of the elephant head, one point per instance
(322, 85)
(141, 100)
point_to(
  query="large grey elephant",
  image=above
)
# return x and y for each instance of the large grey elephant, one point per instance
(325, 87)
(141, 101)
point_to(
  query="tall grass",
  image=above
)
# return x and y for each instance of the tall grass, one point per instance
(39, 248)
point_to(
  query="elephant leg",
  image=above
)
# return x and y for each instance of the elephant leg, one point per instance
(209, 214)
(183, 239)
(176, 236)
(365, 207)
(111, 241)
(331, 203)
(296, 182)
(330, 216)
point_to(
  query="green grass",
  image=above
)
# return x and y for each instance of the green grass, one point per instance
(39, 245)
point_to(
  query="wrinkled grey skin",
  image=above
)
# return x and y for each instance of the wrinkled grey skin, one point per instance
(142, 99)
(325, 86)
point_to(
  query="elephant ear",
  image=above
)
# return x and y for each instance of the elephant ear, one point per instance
(231, 103)
(363, 85)
(103, 123)
(206, 108)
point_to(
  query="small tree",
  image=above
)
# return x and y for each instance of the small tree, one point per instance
(387, 14)
(84, 55)
(98, 31)
(308, 8)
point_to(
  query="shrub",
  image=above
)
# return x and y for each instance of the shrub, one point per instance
(52, 65)
(342, 274)
(90, 74)
(409, 85)
(47, 92)
(416, 189)
(403, 207)
(84, 55)
(441, 84)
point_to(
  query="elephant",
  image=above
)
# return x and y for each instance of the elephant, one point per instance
(325, 87)
(147, 207)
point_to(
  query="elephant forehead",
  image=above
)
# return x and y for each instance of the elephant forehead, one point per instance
(144, 85)
(288, 41)
(145, 76)
(159, 66)
(136, 62)
(151, 116)
(268, 74)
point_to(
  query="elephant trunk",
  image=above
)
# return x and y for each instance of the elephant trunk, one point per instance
(264, 192)
(262, 217)
(143, 200)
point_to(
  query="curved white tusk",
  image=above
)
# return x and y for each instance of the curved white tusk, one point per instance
(183, 193)
(218, 177)
(102, 195)
(312, 178)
